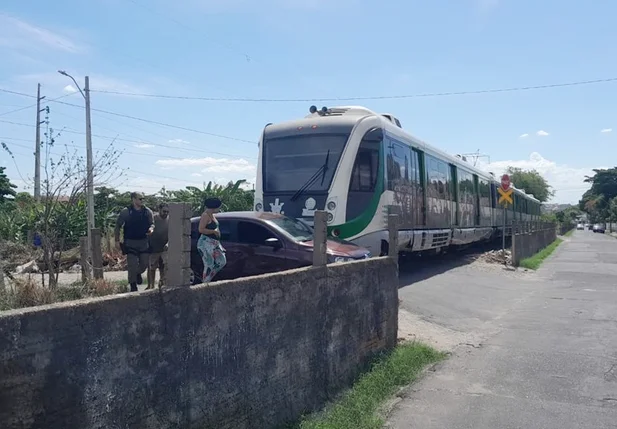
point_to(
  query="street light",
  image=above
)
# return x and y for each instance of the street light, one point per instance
(63, 73)
(89, 167)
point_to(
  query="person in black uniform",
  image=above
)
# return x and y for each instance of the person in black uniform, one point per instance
(138, 223)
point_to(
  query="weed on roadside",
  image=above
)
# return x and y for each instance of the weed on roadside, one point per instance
(27, 292)
(534, 262)
(359, 407)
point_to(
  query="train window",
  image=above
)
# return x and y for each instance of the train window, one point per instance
(398, 164)
(485, 193)
(494, 195)
(438, 178)
(366, 166)
(415, 167)
(467, 198)
(364, 173)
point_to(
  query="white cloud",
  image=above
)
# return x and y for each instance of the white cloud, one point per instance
(542, 133)
(212, 165)
(196, 175)
(144, 145)
(606, 130)
(523, 136)
(21, 35)
(567, 181)
(178, 141)
(70, 89)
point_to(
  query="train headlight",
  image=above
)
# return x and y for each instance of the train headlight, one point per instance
(330, 217)
(259, 207)
(331, 205)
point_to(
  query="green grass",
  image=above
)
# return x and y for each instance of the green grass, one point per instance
(359, 407)
(534, 262)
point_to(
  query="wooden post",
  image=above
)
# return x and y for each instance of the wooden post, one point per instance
(179, 251)
(83, 259)
(320, 237)
(393, 236)
(97, 253)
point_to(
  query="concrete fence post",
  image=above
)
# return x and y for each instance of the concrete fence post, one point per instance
(83, 259)
(320, 238)
(179, 246)
(393, 236)
(514, 250)
(97, 253)
(2, 283)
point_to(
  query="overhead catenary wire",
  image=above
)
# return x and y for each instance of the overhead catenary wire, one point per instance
(359, 98)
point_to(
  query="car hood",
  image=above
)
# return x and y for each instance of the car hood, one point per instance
(341, 248)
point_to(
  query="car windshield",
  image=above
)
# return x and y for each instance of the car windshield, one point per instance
(298, 230)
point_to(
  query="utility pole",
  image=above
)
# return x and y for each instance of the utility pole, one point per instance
(89, 166)
(37, 147)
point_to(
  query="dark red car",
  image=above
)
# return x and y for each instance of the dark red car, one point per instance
(261, 242)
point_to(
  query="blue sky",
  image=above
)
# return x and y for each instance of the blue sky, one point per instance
(293, 49)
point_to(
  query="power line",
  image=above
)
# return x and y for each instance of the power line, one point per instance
(71, 131)
(161, 123)
(6, 148)
(143, 141)
(140, 154)
(33, 105)
(378, 97)
(17, 93)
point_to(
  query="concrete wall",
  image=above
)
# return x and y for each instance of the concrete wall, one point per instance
(249, 353)
(530, 238)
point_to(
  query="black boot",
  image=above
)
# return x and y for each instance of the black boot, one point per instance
(139, 279)
(134, 287)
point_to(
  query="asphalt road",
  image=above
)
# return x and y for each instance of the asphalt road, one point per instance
(529, 350)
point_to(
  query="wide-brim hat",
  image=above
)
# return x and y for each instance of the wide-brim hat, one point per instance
(212, 203)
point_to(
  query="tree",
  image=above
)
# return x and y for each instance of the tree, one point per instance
(532, 182)
(61, 214)
(7, 189)
(232, 195)
(568, 215)
(603, 182)
(612, 210)
(597, 200)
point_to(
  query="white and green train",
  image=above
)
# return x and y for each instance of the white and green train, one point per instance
(359, 166)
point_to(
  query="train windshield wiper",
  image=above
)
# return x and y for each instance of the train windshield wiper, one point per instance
(322, 170)
(325, 167)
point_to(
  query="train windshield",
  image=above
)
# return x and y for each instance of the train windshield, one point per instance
(291, 162)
